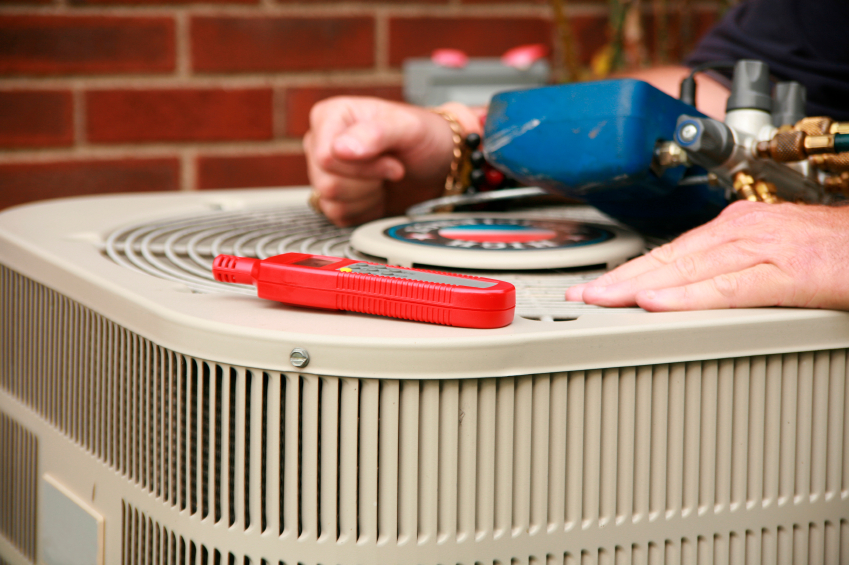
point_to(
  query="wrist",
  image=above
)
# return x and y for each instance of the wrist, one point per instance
(469, 117)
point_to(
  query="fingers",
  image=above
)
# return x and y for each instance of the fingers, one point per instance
(361, 129)
(344, 201)
(704, 237)
(687, 269)
(368, 139)
(576, 293)
(352, 213)
(373, 167)
(752, 255)
(621, 278)
(701, 253)
(360, 151)
(761, 285)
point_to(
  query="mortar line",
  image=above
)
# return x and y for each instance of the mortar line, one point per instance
(182, 48)
(188, 170)
(381, 40)
(78, 113)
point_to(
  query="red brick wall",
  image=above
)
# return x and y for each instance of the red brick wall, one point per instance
(140, 95)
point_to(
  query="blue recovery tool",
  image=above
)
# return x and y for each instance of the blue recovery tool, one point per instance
(597, 142)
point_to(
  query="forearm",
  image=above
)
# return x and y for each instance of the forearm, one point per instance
(710, 94)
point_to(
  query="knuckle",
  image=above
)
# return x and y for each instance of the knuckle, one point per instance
(322, 157)
(687, 268)
(758, 220)
(327, 187)
(740, 206)
(750, 218)
(335, 213)
(318, 110)
(663, 254)
(727, 285)
(323, 160)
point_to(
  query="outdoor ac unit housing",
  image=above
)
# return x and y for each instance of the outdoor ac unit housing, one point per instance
(147, 421)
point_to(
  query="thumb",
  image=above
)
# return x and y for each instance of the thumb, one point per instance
(369, 139)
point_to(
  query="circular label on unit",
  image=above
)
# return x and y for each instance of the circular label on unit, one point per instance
(499, 234)
(499, 242)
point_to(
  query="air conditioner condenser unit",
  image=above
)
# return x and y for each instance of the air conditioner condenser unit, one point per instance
(149, 414)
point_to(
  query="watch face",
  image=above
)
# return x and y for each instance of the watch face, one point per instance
(499, 234)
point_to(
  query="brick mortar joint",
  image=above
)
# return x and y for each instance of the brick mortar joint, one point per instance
(288, 146)
(388, 77)
(182, 45)
(264, 8)
(330, 10)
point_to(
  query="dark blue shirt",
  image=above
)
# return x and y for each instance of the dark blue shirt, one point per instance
(802, 40)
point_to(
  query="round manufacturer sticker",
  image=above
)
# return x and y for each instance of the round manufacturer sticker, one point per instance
(499, 234)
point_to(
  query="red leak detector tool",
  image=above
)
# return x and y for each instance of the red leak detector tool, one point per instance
(357, 286)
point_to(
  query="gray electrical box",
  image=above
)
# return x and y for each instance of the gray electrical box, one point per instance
(429, 84)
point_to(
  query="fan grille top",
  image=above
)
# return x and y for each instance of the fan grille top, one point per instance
(182, 249)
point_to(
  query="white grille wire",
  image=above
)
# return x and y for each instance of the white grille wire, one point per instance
(563, 457)
(182, 250)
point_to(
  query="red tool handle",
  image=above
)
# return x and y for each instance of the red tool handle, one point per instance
(359, 286)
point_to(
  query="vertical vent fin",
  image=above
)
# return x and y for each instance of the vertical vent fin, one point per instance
(144, 541)
(348, 449)
(408, 462)
(328, 479)
(309, 459)
(368, 486)
(359, 462)
(388, 453)
(467, 463)
(18, 485)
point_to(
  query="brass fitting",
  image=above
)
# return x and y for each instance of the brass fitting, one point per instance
(744, 186)
(839, 127)
(755, 191)
(815, 125)
(831, 162)
(784, 147)
(794, 145)
(838, 183)
(815, 144)
(669, 154)
(766, 192)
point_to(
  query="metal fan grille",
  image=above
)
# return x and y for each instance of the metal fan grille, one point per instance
(182, 250)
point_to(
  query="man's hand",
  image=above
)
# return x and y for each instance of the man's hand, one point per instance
(752, 254)
(369, 157)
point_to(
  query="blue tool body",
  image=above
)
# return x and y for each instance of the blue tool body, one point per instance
(595, 142)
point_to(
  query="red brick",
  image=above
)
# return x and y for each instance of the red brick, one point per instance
(382, 1)
(677, 46)
(27, 182)
(179, 115)
(36, 118)
(155, 2)
(42, 45)
(247, 171)
(590, 34)
(300, 100)
(478, 37)
(237, 44)
(515, 1)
